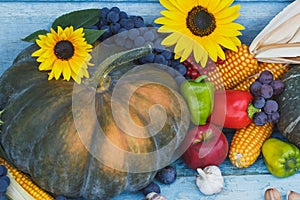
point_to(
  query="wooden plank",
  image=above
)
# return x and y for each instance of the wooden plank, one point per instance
(19, 19)
(246, 187)
(130, 1)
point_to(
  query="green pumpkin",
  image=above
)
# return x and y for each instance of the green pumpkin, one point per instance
(52, 129)
(289, 106)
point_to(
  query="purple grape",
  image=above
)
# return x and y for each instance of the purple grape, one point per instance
(123, 15)
(133, 33)
(259, 102)
(115, 27)
(167, 175)
(174, 63)
(167, 54)
(152, 187)
(270, 107)
(104, 12)
(149, 58)
(260, 118)
(181, 69)
(129, 44)
(126, 23)
(139, 41)
(159, 59)
(149, 36)
(265, 77)
(115, 9)
(278, 86)
(3, 170)
(112, 17)
(255, 88)
(266, 91)
(138, 21)
(274, 117)
(4, 183)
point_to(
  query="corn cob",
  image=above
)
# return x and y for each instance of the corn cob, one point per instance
(237, 67)
(21, 187)
(277, 70)
(246, 144)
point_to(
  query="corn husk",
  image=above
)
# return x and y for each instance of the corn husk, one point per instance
(279, 41)
(15, 190)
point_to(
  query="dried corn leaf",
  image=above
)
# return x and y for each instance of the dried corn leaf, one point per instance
(279, 41)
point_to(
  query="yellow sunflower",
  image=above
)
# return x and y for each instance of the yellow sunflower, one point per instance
(203, 27)
(65, 53)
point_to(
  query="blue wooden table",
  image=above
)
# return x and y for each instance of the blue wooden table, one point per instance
(20, 18)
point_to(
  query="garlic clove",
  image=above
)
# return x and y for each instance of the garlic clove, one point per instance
(210, 180)
(272, 194)
(154, 196)
(291, 195)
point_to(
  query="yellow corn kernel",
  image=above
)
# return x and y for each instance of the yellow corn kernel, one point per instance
(277, 70)
(237, 67)
(247, 143)
(21, 185)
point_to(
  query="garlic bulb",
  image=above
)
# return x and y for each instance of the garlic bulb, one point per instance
(210, 180)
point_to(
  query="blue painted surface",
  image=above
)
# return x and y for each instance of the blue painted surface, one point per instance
(20, 18)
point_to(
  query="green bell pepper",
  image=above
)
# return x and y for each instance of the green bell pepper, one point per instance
(281, 158)
(199, 95)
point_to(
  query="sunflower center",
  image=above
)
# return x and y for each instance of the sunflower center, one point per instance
(200, 21)
(64, 50)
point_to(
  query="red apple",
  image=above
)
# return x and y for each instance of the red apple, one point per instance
(209, 146)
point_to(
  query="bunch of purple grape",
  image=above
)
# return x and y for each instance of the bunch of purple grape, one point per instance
(263, 90)
(131, 32)
(4, 182)
(115, 21)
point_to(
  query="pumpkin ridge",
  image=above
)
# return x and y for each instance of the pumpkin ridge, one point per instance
(69, 163)
(27, 76)
(25, 111)
(12, 112)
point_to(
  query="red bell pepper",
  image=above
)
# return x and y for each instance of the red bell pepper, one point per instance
(233, 109)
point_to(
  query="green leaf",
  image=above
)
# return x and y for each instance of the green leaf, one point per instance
(92, 35)
(77, 19)
(33, 36)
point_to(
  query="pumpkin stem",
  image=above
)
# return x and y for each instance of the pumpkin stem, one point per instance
(101, 80)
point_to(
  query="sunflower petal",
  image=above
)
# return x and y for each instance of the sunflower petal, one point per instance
(186, 52)
(227, 43)
(67, 71)
(168, 4)
(177, 16)
(223, 5)
(204, 60)
(171, 39)
(181, 44)
(199, 52)
(210, 47)
(213, 5)
(203, 3)
(229, 13)
(57, 68)
(47, 64)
